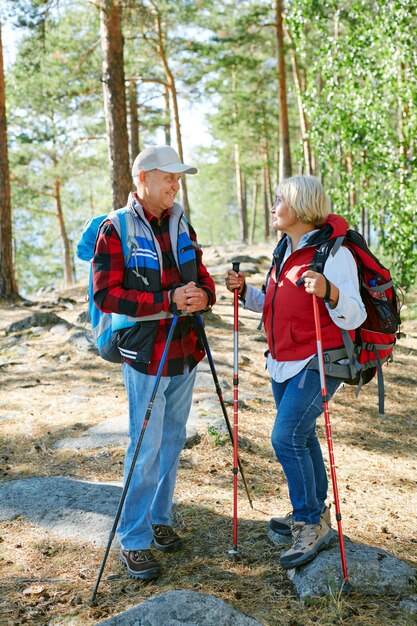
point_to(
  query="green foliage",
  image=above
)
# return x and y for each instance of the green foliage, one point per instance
(360, 97)
(358, 71)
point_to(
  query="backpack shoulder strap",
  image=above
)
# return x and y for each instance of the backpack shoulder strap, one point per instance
(326, 249)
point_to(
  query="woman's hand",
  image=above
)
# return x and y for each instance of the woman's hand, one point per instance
(315, 284)
(235, 280)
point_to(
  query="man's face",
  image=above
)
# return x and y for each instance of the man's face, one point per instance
(158, 190)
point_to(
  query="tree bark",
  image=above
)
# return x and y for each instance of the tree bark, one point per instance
(254, 209)
(352, 190)
(133, 121)
(115, 99)
(68, 265)
(267, 206)
(173, 91)
(240, 187)
(304, 125)
(285, 169)
(167, 113)
(8, 285)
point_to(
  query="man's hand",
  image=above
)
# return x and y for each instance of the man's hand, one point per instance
(190, 298)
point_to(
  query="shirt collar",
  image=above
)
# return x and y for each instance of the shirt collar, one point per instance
(166, 213)
(301, 244)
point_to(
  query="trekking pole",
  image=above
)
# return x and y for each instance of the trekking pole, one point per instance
(135, 456)
(346, 586)
(234, 552)
(220, 395)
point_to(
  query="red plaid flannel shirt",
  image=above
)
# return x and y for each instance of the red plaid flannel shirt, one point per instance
(111, 297)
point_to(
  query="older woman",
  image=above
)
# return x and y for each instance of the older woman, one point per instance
(301, 212)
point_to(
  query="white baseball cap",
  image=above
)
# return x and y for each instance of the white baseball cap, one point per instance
(162, 158)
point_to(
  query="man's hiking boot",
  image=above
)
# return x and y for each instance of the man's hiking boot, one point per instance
(140, 564)
(308, 540)
(165, 538)
(282, 525)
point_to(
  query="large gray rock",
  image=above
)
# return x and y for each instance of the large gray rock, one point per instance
(37, 319)
(113, 432)
(371, 570)
(182, 608)
(68, 507)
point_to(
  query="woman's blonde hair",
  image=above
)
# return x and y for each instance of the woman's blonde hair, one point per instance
(306, 197)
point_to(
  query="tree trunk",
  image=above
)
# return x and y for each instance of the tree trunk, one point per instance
(134, 121)
(167, 114)
(173, 91)
(254, 209)
(115, 99)
(352, 190)
(285, 168)
(403, 120)
(240, 191)
(267, 205)
(268, 193)
(8, 286)
(241, 197)
(68, 265)
(304, 125)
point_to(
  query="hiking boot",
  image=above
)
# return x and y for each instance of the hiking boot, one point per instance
(140, 564)
(165, 538)
(282, 525)
(308, 540)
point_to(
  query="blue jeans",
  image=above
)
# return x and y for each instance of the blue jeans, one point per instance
(296, 444)
(150, 493)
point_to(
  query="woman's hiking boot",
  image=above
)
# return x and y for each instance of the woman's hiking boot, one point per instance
(282, 525)
(308, 541)
(140, 564)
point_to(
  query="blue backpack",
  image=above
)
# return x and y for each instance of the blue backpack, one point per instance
(101, 323)
(105, 326)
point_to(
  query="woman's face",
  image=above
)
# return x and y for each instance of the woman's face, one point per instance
(283, 218)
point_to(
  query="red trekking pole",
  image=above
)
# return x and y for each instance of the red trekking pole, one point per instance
(234, 552)
(346, 585)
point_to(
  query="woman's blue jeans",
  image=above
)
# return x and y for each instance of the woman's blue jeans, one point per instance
(296, 444)
(150, 493)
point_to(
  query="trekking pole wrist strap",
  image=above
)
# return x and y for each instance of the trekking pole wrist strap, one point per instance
(243, 292)
(326, 296)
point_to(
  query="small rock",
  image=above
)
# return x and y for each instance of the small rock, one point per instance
(409, 603)
(59, 329)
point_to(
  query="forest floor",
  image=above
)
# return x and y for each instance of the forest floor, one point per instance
(46, 580)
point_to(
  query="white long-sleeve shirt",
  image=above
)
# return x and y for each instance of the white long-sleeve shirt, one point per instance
(341, 270)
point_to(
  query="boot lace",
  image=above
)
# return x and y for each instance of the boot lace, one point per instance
(163, 531)
(141, 556)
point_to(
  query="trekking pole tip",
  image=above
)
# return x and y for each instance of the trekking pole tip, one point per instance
(234, 554)
(346, 587)
(92, 600)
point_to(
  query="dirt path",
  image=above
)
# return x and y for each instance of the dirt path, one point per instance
(51, 388)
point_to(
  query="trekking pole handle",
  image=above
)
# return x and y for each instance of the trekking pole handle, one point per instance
(235, 266)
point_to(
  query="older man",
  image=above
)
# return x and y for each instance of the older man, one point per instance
(163, 276)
